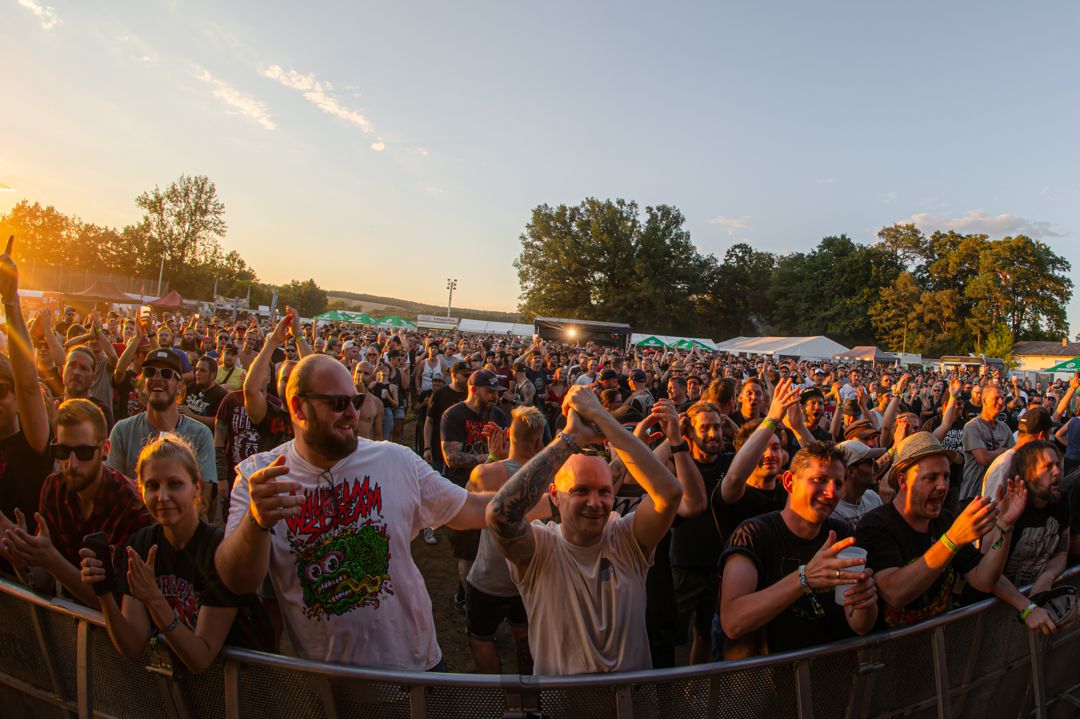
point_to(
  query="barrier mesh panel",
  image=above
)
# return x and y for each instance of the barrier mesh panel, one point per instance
(205, 692)
(122, 688)
(20, 655)
(832, 678)
(15, 704)
(586, 703)
(460, 703)
(271, 693)
(61, 634)
(366, 699)
(688, 698)
(907, 676)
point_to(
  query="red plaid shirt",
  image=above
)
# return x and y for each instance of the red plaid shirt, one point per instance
(118, 512)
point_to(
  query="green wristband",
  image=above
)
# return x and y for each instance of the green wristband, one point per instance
(949, 544)
(1026, 611)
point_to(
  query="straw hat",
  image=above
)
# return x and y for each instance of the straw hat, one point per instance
(915, 447)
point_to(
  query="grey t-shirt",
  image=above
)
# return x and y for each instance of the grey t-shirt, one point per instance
(130, 435)
(978, 434)
(490, 573)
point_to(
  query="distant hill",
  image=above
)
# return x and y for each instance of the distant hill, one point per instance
(382, 306)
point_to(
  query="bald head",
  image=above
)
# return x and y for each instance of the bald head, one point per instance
(581, 467)
(311, 370)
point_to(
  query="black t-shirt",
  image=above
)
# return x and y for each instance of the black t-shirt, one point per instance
(275, 428)
(187, 576)
(776, 552)
(461, 424)
(1036, 538)
(443, 399)
(204, 402)
(694, 540)
(22, 472)
(753, 503)
(890, 541)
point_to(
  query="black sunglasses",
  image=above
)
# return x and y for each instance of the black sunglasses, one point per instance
(165, 372)
(84, 452)
(337, 402)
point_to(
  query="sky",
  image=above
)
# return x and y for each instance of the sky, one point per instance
(386, 147)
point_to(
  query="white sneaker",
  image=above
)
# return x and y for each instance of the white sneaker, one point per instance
(429, 535)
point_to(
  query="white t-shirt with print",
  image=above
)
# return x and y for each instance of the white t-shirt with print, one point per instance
(342, 568)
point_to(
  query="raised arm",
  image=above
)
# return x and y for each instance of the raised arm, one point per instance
(128, 355)
(694, 499)
(1063, 405)
(258, 375)
(733, 486)
(33, 418)
(949, 415)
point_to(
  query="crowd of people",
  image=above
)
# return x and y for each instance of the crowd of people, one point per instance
(208, 480)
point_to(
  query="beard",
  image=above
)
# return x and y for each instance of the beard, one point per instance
(158, 403)
(322, 439)
(78, 481)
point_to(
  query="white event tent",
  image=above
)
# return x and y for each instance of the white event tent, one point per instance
(482, 327)
(817, 347)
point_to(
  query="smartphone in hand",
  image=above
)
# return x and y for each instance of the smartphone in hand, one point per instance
(98, 543)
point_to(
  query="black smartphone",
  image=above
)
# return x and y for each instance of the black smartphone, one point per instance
(98, 543)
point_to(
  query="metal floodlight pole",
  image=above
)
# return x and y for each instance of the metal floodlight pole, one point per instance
(450, 285)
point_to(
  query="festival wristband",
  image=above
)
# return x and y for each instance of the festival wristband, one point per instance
(172, 625)
(251, 518)
(1001, 536)
(574, 447)
(949, 544)
(683, 447)
(1026, 611)
(770, 424)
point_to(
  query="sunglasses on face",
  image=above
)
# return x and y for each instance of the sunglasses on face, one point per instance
(165, 372)
(337, 402)
(84, 452)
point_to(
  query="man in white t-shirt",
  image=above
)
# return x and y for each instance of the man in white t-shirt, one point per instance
(1036, 424)
(583, 581)
(332, 518)
(857, 495)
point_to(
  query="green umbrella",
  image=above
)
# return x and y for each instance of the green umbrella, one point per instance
(360, 318)
(1072, 365)
(651, 341)
(333, 316)
(684, 344)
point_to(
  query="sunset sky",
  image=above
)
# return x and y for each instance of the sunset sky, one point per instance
(383, 147)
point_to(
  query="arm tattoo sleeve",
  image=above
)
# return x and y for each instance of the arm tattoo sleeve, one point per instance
(522, 491)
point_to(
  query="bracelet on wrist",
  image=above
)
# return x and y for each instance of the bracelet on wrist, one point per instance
(251, 518)
(770, 423)
(570, 442)
(1002, 534)
(949, 544)
(492, 458)
(683, 446)
(809, 592)
(172, 625)
(1026, 611)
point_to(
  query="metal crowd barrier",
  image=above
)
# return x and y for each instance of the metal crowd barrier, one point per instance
(56, 660)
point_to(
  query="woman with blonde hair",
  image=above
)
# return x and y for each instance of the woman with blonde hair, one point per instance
(166, 576)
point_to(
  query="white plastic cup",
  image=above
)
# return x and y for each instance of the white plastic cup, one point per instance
(849, 553)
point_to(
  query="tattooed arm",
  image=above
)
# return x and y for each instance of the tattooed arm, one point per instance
(457, 458)
(506, 515)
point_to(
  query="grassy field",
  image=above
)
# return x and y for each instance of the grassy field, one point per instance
(382, 306)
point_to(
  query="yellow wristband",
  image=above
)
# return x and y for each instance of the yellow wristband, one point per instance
(949, 544)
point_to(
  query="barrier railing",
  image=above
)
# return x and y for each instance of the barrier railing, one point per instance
(56, 660)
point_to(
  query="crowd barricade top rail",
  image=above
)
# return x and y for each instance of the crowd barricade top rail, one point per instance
(56, 660)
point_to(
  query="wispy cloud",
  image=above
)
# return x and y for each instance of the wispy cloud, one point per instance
(46, 14)
(320, 94)
(6, 188)
(982, 222)
(243, 103)
(378, 146)
(421, 151)
(731, 223)
(133, 47)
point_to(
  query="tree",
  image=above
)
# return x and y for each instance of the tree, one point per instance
(738, 302)
(183, 222)
(307, 297)
(999, 343)
(599, 260)
(894, 316)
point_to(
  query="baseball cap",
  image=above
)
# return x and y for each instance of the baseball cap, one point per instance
(349, 345)
(461, 366)
(853, 451)
(483, 378)
(808, 394)
(607, 374)
(1036, 420)
(164, 358)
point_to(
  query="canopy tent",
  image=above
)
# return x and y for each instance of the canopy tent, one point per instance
(171, 301)
(394, 321)
(611, 334)
(100, 292)
(817, 347)
(690, 343)
(867, 353)
(362, 318)
(647, 341)
(483, 327)
(1072, 365)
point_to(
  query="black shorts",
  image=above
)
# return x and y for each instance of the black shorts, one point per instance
(696, 590)
(484, 613)
(463, 544)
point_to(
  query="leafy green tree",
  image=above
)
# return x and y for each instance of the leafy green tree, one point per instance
(895, 318)
(738, 302)
(307, 297)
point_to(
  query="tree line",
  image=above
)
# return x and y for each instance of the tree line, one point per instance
(184, 223)
(936, 294)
